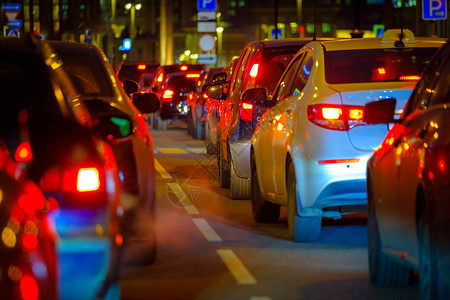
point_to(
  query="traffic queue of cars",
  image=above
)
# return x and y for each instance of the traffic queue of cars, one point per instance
(64, 182)
(318, 139)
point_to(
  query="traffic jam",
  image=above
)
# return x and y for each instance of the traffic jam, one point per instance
(303, 168)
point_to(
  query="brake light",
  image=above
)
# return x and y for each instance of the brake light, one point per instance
(338, 161)
(336, 117)
(29, 288)
(23, 152)
(142, 67)
(167, 95)
(74, 180)
(205, 96)
(247, 112)
(29, 241)
(410, 78)
(254, 70)
(88, 179)
(183, 68)
(160, 77)
(193, 75)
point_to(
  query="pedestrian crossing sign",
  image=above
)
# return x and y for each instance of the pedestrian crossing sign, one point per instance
(11, 33)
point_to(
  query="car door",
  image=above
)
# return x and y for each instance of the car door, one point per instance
(400, 164)
(270, 129)
(284, 121)
(421, 133)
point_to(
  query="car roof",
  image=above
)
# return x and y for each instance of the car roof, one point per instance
(285, 42)
(374, 43)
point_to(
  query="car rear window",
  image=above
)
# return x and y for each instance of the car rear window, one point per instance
(375, 65)
(132, 72)
(272, 65)
(181, 83)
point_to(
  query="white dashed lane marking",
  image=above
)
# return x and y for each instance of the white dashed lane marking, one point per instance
(183, 199)
(236, 267)
(206, 230)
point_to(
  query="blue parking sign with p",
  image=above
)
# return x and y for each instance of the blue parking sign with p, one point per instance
(434, 9)
(206, 5)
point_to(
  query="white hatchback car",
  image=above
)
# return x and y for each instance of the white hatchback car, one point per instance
(311, 148)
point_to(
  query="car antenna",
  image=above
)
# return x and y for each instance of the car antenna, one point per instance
(400, 43)
(315, 13)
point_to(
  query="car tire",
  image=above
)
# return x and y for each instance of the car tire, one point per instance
(382, 270)
(224, 172)
(431, 282)
(190, 129)
(301, 229)
(199, 131)
(263, 211)
(210, 149)
(159, 124)
(239, 187)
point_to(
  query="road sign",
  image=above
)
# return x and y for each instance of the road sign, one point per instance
(11, 33)
(434, 9)
(15, 23)
(206, 26)
(11, 7)
(206, 16)
(206, 42)
(205, 59)
(206, 5)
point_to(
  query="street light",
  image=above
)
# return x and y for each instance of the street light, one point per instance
(219, 31)
(133, 8)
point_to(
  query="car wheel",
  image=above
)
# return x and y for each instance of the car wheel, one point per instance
(382, 270)
(189, 124)
(262, 210)
(210, 149)
(200, 131)
(160, 124)
(301, 229)
(224, 173)
(432, 285)
(239, 187)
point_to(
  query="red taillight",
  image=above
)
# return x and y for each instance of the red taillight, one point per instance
(336, 117)
(410, 78)
(29, 241)
(23, 152)
(183, 68)
(160, 77)
(142, 67)
(75, 180)
(193, 75)
(247, 112)
(205, 96)
(29, 288)
(338, 161)
(167, 95)
(254, 70)
(88, 180)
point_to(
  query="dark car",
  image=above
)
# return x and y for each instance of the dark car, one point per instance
(408, 186)
(73, 167)
(134, 70)
(20, 247)
(173, 84)
(196, 111)
(260, 64)
(99, 90)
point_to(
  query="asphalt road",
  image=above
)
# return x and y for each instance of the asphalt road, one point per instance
(209, 247)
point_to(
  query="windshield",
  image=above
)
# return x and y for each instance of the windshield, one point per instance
(87, 74)
(375, 65)
(133, 72)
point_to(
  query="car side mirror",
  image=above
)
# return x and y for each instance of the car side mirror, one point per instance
(146, 103)
(257, 96)
(220, 77)
(215, 91)
(379, 112)
(130, 87)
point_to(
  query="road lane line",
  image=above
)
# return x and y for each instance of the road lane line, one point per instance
(172, 151)
(236, 267)
(197, 150)
(183, 199)
(206, 230)
(164, 174)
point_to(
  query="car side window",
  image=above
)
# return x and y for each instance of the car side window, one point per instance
(424, 89)
(236, 72)
(441, 94)
(284, 85)
(302, 75)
